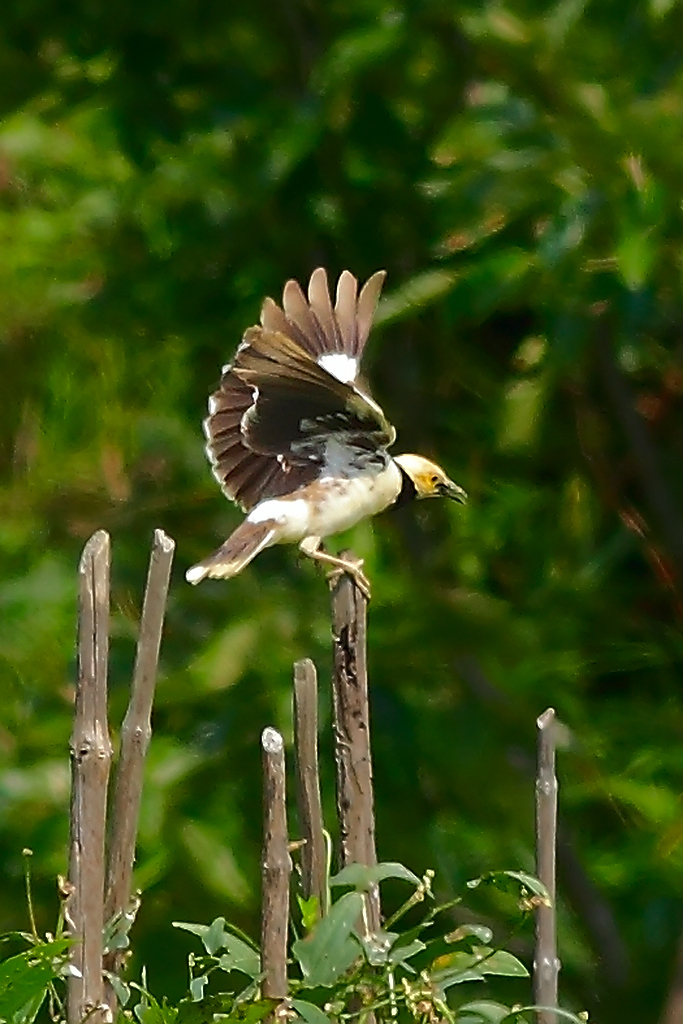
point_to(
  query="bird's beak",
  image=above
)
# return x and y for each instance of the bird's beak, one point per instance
(455, 492)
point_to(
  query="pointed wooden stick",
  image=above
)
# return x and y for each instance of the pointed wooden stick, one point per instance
(546, 962)
(135, 736)
(355, 799)
(276, 867)
(313, 853)
(90, 763)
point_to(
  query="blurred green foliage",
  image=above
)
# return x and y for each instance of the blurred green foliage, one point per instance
(517, 170)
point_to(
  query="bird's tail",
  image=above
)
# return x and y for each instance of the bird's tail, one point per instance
(241, 546)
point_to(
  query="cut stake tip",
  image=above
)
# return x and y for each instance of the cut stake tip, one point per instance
(96, 545)
(163, 541)
(546, 719)
(271, 740)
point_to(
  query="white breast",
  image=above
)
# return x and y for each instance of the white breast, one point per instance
(329, 505)
(344, 502)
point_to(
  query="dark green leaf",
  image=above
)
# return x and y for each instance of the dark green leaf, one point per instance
(362, 877)
(399, 954)
(309, 1012)
(561, 1014)
(466, 931)
(482, 1012)
(483, 960)
(240, 957)
(197, 986)
(329, 950)
(24, 979)
(500, 879)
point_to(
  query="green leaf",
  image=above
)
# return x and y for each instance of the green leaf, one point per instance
(446, 979)
(399, 954)
(362, 877)
(377, 946)
(205, 1011)
(148, 1010)
(121, 989)
(513, 1015)
(499, 879)
(465, 931)
(239, 955)
(253, 1012)
(482, 960)
(482, 1012)
(224, 1006)
(309, 1012)
(330, 949)
(24, 980)
(197, 986)
(209, 934)
(310, 911)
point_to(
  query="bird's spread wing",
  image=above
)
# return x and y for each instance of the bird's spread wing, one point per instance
(292, 391)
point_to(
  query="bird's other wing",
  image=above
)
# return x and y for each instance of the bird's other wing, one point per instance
(334, 336)
(293, 384)
(298, 407)
(245, 476)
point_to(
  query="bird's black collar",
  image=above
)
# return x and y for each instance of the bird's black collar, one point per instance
(408, 490)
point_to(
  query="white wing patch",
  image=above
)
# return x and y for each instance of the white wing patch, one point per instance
(341, 366)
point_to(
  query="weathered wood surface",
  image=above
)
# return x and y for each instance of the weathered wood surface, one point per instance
(313, 852)
(90, 763)
(355, 795)
(546, 962)
(276, 867)
(136, 733)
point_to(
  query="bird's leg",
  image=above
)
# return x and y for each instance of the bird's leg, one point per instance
(311, 546)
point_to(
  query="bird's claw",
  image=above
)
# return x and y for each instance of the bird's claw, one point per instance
(355, 569)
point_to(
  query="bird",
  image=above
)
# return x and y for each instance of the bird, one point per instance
(295, 438)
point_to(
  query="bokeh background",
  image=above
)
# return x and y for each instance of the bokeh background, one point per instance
(518, 170)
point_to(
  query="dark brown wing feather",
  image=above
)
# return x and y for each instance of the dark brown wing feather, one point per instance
(245, 476)
(315, 325)
(249, 443)
(299, 406)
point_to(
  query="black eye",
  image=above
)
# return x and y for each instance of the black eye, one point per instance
(435, 480)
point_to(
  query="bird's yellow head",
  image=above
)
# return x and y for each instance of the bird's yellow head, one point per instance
(429, 480)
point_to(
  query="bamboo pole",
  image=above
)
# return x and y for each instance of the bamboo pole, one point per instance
(276, 867)
(546, 962)
(313, 853)
(90, 762)
(136, 732)
(355, 800)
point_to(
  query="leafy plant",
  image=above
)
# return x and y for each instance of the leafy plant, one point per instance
(337, 971)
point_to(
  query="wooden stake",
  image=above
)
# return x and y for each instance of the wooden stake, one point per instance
(276, 867)
(313, 853)
(355, 800)
(90, 763)
(135, 736)
(546, 962)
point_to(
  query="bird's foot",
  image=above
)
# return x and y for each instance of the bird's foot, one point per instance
(355, 568)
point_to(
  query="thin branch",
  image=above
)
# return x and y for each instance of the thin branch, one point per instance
(90, 763)
(355, 799)
(313, 853)
(276, 867)
(135, 736)
(546, 962)
(582, 893)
